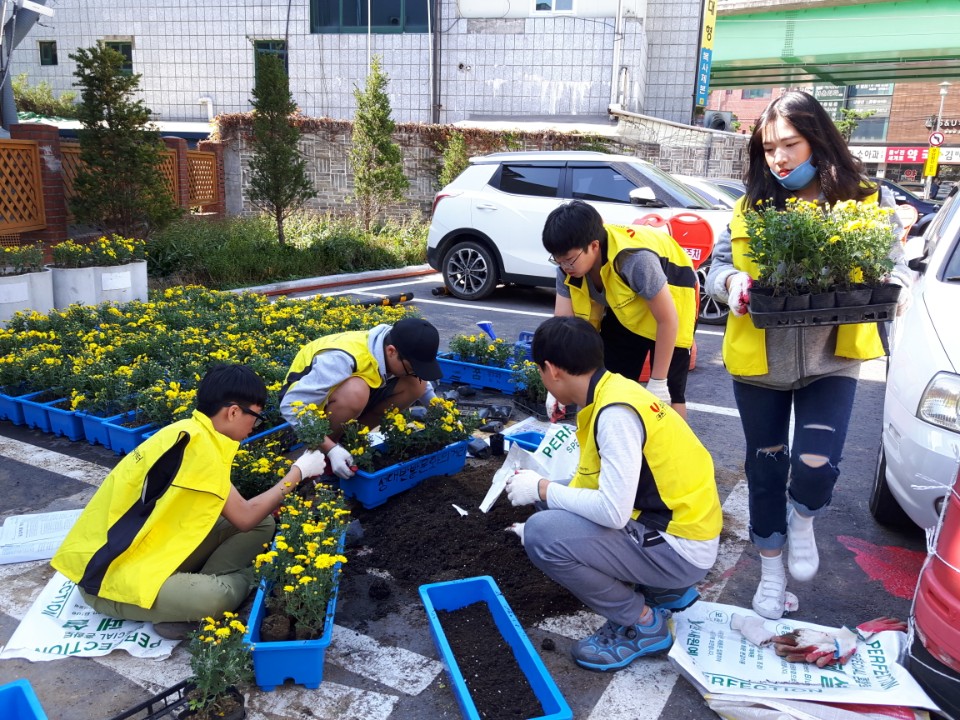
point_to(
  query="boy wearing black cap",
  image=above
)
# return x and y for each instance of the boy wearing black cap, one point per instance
(359, 374)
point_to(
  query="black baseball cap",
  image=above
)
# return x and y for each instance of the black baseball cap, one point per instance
(418, 341)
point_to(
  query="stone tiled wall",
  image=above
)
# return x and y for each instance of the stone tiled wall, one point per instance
(513, 67)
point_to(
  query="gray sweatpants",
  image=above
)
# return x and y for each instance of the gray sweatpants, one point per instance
(599, 565)
(216, 577)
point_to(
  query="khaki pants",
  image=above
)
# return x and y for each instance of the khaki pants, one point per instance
(218, 576)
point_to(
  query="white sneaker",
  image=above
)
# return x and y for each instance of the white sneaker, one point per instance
(770, 597)
(802, 557)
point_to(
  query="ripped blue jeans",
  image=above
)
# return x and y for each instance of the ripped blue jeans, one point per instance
(803, 474)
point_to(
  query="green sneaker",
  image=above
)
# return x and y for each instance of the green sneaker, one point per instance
(613, 647)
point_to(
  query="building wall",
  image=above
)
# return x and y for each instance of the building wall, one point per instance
(514, 67)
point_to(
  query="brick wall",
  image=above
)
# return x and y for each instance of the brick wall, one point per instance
(912, 104)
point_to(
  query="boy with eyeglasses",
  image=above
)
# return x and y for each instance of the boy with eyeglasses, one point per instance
(167, 538)
(358, 375)
(634, 284)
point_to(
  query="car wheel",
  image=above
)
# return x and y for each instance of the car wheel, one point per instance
(883, 505)
(712, 312)
(469, 270)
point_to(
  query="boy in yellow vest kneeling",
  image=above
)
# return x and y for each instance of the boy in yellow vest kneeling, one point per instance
(639, 523)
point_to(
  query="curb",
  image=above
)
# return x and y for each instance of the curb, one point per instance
(320, 283)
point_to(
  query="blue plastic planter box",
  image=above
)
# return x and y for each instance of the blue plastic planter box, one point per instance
(11, 406)
(299, 660)
(123, 439)
(275, 430)
(529, 440)
(19, 702)
(65, 422)
(373, 488)
(478, 376)
(93, 428)
(457, 594)
(36, 414)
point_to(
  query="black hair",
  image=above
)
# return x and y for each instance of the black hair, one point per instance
(570, 343)
(571, 226)
(226, 384)
(840, 172)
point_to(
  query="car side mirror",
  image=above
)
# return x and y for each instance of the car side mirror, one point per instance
(918, 264)
(643, 196)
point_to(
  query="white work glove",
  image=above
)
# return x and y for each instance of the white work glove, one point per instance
(341, 462)
(659, 388)
(310, 464)
(516, 528)
(523, 487)
(752, 628)
(555, 410)
(738, 290)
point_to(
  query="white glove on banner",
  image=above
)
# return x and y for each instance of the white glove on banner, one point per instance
(739, 293)
(341, 462)
(523, 487)
(555, 410)
(660, 389)
(311, 463)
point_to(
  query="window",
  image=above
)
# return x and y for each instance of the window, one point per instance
(125, 49)
(48, 53)
(386, 16)
(553, 5)
(756, 94)
(529, 180)
(270, 47)
(601, 184)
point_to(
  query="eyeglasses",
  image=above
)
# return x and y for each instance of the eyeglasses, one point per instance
(403, 364)
(253, 413)
(566, 264)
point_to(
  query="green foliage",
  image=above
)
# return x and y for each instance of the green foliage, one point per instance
(278, 173)
(481, 350)
(21, 259)
(455, 158)
(240, 252)
(850, 119)
(407, 438)
(104, 252)
(376, 159)
(119, 186)
(39, 99)
(526, 375)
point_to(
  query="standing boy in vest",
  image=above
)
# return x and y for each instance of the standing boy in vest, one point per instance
(636, 285)
(358, 375)
(639, 523)
(167, 538)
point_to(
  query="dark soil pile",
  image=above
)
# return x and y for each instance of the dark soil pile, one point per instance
(418, 537)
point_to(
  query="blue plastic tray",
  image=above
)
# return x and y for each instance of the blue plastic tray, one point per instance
(456, 594)
(529, 440)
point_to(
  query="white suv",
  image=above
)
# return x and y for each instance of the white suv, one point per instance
(487, 224)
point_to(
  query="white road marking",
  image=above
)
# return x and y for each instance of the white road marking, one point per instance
(714, 409)
(53, 461)
(21, 583)
(330, 700)
(403, 670)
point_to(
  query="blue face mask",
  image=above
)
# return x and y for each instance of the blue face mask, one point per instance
(799, 177)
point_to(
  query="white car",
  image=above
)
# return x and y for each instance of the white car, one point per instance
(488, 223)
(920, 448)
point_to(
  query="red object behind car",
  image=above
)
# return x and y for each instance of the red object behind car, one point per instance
(937, 607)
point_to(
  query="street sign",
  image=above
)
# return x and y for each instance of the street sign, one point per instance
(936, 139)
(933, 158)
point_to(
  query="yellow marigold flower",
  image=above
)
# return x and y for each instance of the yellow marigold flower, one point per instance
(288, 588)
(223, 632)
(295, 569)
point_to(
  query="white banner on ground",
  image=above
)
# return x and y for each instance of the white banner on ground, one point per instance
(60, 624)
(34, 537)
(719, 660)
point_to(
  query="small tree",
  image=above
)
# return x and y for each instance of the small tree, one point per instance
(455, 158)
(377, 161)
(119, 185)
(850, 119)
(278, 173)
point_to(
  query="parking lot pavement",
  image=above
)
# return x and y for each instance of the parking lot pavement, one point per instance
(390, 671)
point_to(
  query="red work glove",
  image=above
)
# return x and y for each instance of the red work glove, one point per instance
(814, 646)
(738, 289)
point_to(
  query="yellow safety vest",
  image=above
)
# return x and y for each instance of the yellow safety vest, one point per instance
(745, 346)
(631, 310)
(151, 512)
(677, 491)
(354, 343)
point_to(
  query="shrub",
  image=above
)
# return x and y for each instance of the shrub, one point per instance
(21, 259)
(39, 99)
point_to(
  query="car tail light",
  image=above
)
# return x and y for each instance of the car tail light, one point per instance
(940, 402)
(937, 606)
(440, 196)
